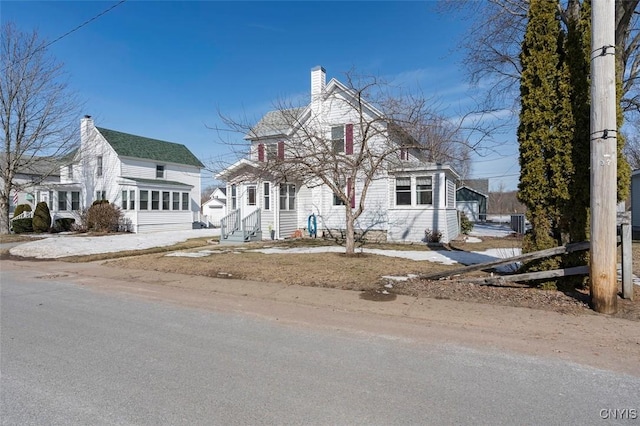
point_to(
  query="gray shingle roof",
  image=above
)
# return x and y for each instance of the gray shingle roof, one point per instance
(134, 146)
(275, 123)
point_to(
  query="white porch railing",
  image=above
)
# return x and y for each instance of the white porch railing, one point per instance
(23, 215)
(251, 224)
(229, 224)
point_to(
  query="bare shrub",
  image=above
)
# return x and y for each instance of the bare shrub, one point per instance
(103, 217)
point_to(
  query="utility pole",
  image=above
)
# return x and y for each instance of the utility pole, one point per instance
(603, 276)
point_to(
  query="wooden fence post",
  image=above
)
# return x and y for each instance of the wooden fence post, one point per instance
(627, 260)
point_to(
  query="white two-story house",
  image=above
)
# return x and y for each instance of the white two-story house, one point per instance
(155, 183)
(406, 196)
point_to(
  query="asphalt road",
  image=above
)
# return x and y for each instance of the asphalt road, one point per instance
(72, 355)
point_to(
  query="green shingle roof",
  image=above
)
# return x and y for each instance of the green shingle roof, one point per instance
(127, 145)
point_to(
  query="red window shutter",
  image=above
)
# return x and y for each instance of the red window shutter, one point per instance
(260, 152)
(281, 150)
(348, 136)
(351, 192)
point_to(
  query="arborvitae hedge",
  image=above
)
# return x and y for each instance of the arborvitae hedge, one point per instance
(20, 208)
(41, 218)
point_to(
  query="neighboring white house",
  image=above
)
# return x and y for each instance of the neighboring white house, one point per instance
(402, 203)
(155, 183)
(215, 208)
(31, 183)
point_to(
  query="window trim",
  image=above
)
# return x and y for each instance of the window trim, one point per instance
(160, 171)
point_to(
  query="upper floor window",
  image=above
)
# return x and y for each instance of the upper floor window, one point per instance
(403, 191)
(101, 195)
(159, 171)
(272, 151)
(337, 139)
(424, 190)
(70, 171)
(99, 165)
(404, 153)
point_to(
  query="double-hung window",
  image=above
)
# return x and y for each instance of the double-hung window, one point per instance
(234, 204)
(144, 200)
(99, 165)
(185, 201)
(287, 196)
(403, 191)
(62, 200)
(132, 200)
(166, 200)
(337, 139)
(267, 195)
(75, 200)
(176, 201)
(159, 171)
(424, 190)
(155, 200)
(125, 200)
(337, 200)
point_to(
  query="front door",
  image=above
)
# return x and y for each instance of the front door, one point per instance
(44, 196)
(288, 216)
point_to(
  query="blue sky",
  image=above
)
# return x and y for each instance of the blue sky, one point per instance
(164, 69)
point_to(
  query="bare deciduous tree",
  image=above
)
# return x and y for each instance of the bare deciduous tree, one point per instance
(493, 42)
(386, 131)
(37, 114)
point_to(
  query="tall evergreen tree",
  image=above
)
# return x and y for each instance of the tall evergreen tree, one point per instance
(576, 212)
(545, 123)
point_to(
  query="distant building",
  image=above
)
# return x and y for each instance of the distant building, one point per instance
(472, 198)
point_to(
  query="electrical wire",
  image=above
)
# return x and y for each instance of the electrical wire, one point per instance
(44, 46)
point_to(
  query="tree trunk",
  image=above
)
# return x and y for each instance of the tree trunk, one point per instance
(4, 216)
(350, 237)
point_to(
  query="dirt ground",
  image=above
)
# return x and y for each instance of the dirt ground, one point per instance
(364, 272)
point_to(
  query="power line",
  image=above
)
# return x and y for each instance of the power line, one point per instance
(88, 21)
(44, 46)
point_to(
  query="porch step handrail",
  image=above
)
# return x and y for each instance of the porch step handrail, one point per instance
(229, 224)
(251, 224)
(24, 215)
